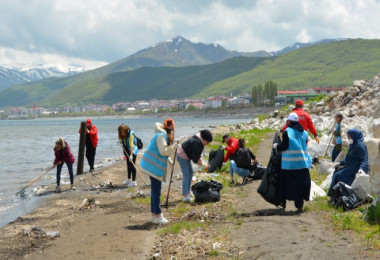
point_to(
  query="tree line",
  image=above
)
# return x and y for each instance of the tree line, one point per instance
(264, 95)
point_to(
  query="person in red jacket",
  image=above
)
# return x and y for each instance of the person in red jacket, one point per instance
(304, 119)
(91, 143)
(63, 155)
(232, 147)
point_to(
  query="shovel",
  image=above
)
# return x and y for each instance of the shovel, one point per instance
(21, 192)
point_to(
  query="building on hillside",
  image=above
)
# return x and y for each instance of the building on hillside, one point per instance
(324, 90)
(290, 96)
(197, 105)
(239, 101)
(17, 112)
(213, 102)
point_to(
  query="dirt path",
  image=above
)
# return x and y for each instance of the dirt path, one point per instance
(268, 232)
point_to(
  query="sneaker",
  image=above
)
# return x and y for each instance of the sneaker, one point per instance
(132, 184)
(127, 181)
(161, 220)
(58, 188)
(232, 182)
(152, 218)
(186, 199)
(245, 180)
(73, 187)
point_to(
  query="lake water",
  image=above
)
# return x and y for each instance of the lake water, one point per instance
(26, 151)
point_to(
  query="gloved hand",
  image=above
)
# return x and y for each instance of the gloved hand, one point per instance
(223, 164)
(131, 157)
(170, 161)
(317, 139)
(275, 146)
(175, 146)
(223, 147)
(361, 171)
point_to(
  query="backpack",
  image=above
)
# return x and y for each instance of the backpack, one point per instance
(242, 158)
(139, 143)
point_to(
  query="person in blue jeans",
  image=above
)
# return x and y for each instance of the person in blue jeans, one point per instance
(242, 163)
(191, 150)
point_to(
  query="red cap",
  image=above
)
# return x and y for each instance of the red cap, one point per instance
(89, 121)
(299, 102)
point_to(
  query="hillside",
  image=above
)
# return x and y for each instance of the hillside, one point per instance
(332, 64)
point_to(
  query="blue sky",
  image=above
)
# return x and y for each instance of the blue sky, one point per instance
(95, 32)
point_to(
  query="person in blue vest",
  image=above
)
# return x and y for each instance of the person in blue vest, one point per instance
(154, 162)
(128, 140)
(338, 135)
(356, 160)
(294, 179)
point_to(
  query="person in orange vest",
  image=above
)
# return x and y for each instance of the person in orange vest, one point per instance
(304, 119)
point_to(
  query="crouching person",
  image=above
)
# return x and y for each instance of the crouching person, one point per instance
(294, 178)
(355, 161)
(242, 163)
(154, 162)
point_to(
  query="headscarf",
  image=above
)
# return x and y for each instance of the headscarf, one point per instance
(356, 136)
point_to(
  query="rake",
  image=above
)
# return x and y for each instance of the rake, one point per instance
(21, 192)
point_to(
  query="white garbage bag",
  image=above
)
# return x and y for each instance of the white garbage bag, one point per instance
(316, 191)
(326, 183)
(361, 185)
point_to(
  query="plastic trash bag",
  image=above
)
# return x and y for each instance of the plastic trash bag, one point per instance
(268, 186)
(361, 185)
(215, 159)
(257, 171)
(344, 196)
(205, 191)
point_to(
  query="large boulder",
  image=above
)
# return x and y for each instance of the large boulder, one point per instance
(375, 175)
(316, 149)
(326, 167)
(376, 128)
(372, 147)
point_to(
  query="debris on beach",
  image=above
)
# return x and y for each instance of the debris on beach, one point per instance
(38, 232)
(138, 194)
(89, 203)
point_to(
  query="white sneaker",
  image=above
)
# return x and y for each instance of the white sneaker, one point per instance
(127, 181)
(161, 220)
(132, 184)
(152, 218)
(186, 198)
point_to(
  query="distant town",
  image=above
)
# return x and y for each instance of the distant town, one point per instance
(157, 106)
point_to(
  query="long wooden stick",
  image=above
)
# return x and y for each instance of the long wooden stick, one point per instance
(171, 177)
(36, 179)
(329, 144)
(134, 165)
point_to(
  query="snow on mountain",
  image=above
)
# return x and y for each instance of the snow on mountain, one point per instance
(18, 75)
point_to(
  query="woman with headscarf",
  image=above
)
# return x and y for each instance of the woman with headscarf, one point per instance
(154, 162)
(294, 178)
(355, 161)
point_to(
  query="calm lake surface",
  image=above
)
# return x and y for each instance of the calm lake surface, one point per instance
(26, 151)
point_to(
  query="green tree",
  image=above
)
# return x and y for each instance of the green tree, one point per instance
(260, 94)
(254, 95)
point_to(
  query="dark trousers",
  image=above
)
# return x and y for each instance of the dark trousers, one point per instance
(335, 152)
(131, 168)
(155, 195)
(294, 185)
(90, 155)
(70, 168)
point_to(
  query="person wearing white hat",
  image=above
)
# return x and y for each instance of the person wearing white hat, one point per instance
(294, 178)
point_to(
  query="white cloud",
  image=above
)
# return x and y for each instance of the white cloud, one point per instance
(113, 29)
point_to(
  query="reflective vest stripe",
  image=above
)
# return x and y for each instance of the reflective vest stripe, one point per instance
(156, 157)
(153, 163)
(296, 157)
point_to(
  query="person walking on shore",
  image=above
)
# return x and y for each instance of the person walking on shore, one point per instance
(128, 141)
(91, 143)
(63, 155)
(191, 150)
(338, 137)
(232, 147)
(304, 119)
(294, 178)
(154, 162)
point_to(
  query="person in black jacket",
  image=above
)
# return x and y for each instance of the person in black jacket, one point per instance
(242, 162)
(191, 150)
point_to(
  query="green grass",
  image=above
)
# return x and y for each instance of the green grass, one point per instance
(317, 178)
(178, 226)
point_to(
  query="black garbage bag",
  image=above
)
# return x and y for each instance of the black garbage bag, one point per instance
(205, 191)
(215, 159)
(257, 171)
(268, 186)
(344, 196)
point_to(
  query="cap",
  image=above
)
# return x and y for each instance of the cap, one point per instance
(299, 102)
(88, 121)
(224, 137)
(292, 117)
(206, 135)
(169, 124)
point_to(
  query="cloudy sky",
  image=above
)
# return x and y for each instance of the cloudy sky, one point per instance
(93, 32)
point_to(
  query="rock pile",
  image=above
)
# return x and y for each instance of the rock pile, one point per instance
(360, 106)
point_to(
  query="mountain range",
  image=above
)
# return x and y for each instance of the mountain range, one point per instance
(172, 69)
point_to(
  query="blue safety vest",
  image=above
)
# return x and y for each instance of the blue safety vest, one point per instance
(338, 138)
(296, 156)
(152, 161)
(126, 143)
